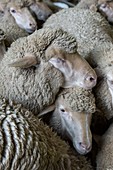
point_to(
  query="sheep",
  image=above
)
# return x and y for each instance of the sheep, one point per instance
(21, 21)
(39, 8)
(2, 44)
(27, 143)
(93, 36)
(35, 67)
(72, 115)
(105, 155)
(106, 9)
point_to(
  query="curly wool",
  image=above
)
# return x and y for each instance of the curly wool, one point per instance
(26, 143)
(103, 98)
(105, 155)
(35, 87)
(88, 27)
(79, 99)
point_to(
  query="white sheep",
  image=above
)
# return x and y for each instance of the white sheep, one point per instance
(94, 38)
(39, 8)
(72, 116)
(26, 143)
(37, 85)
(21, 21)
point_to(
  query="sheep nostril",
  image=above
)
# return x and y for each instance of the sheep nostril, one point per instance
(32, 25)
(85, 147)
(91, 79)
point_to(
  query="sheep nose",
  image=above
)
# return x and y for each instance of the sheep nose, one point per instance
(92, 80)
(32, 25)
(85, 147)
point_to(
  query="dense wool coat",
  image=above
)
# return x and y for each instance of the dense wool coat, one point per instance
(34, 87)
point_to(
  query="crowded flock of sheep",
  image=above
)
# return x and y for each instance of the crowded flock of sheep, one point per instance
(56, 85)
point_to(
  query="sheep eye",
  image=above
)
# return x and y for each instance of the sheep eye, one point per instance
(62, 110)
(103, 5)
(13, 11)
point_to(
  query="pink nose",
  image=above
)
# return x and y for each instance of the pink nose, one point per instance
(85, 146)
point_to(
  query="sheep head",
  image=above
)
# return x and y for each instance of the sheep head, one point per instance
(23, 17)
(41, 10)
(72, 117)
(106, 8)
(76, 70)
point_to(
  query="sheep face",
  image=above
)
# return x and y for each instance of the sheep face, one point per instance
(41, 10)
(23, 18)
(72, 116)
(76, 125)
(76, 70)
(106, 8)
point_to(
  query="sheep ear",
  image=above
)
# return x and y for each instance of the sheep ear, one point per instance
(25, 62)
(58, 59)
(47, 110)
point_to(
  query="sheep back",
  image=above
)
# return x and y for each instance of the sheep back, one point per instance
(88, 27)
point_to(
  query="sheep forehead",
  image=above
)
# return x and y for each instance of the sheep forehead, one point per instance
(78, 99)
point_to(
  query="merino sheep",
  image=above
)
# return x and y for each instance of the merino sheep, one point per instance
(26, 143)
(36, 87)
(105, 155)
(39, 8)
(21, 21)
(72, 115)
(93, 35)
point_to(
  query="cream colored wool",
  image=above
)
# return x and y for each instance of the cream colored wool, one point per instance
(89, 28)
(35, 87)
(105, 155)
(26, 143)
(79, 99)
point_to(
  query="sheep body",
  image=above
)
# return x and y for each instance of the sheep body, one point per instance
(26, 143)
(36, 86)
